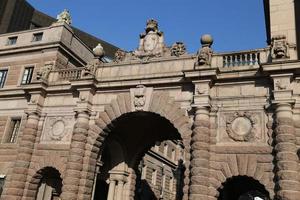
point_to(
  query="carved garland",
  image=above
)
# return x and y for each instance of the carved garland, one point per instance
(241, 126)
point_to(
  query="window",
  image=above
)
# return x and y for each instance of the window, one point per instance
(2, 179)
(153, 178)
(144, 172)
(12, 40)
(173, 154)
(164, 182)
(171, 184)
(166, 149)
(13, 130)
(3, 74)
(37, 37)
(27, 75)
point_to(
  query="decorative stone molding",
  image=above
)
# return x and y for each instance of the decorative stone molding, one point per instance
(57, 129)
(241, 126)
(178, 49)
(140, 98)
(258, 167)
(279, 47)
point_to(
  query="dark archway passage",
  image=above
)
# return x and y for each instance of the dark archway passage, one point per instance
(243, 188)
(130, 137)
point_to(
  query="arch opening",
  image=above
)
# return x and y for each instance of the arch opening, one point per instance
(50, 185)
(243, 188)
(139, 159)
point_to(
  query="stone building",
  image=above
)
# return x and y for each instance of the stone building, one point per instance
(156, 122)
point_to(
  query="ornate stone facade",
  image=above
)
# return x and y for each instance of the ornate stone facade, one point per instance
(155, 123)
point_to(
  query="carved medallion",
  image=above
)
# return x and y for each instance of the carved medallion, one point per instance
(58, 129)
(241, 126)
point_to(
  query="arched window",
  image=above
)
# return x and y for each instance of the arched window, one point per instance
(50, 185)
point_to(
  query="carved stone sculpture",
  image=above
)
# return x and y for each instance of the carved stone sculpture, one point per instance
(241, 126)
(64, 16)
(279, 47)
(178, 49)
(204, 54)
(139, 97)
(151, 42)
(44, 72)
(120, 55)
(91, 67)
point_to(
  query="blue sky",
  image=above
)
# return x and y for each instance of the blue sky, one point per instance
(234, 24)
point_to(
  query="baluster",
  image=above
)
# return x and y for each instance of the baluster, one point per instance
(224, 61)
(253, 58)
(238, 60)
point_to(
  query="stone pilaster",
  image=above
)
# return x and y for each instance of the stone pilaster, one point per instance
(75, 161)
(15, 187)
(200, 156)
(287, 181)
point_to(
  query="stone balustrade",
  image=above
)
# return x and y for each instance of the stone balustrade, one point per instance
(223, 61)
(240, 58)
(69, 74)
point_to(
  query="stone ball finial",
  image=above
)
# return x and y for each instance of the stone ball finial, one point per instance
(99, 51)
(206, 40)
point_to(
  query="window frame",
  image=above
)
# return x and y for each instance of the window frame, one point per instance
(9, 131)
(12, 38)
(3, 78)
(34, 35)
(23, 74)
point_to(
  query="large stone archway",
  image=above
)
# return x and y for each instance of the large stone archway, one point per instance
(87, 141)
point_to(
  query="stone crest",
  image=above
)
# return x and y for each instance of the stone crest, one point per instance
(178, 49)
(140, 98)
(240, 126)
(58, 129)
(279, 47)
(64, 16)
(151, 41)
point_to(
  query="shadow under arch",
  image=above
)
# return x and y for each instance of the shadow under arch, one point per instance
(48, 175)
(243, 188)
(162, 109)
(132, 135)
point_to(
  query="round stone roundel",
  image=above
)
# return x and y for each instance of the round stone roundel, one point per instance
(241, 126)
(58, 129)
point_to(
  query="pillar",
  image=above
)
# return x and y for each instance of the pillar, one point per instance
(200, 155)
(111, 190)
(15, 187)
(287, 182)
(75, 160)
(120, 189)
